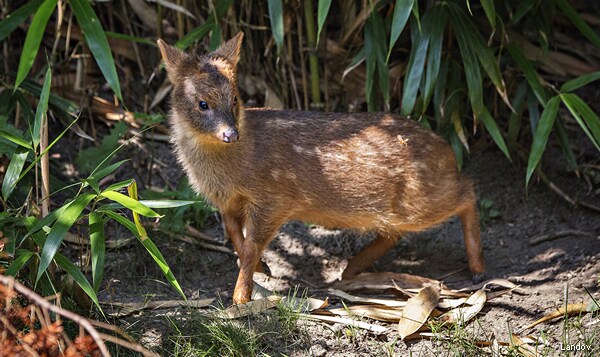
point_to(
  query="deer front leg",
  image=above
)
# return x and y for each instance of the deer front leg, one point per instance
(234, 226)
(259, 232)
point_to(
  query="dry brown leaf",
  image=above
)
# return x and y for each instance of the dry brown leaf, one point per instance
(346, 321)
(464, 314)
(570, 309)
(251, 308)
(524, 348)
(384, 281)
(451, 303)
(417, 310)
(304, 305)
(497, 282)
(161, 93)
(362, 299)
(381, 313)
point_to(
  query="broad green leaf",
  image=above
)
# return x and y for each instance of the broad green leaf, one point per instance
(470, 62)
(415, 68)
(221, 8)
(322, 12)
(579, 82)
(492, 128)
(540, 137)
(130, 203)
(56, 101)
(196, 34)
(276, 17)
(359, 58)
(33, 39)
(35, 225)
(150, 247)
(78, 276)
(60, 228)
(17, 17)
(102, 173)
(15, 139)
(585, 116)
(215, 37)
(15, 167)
(160, 204)
(568, 11)
(119, 185)
(516, 117)
(98, 248)
(523, 9)
(41, 112)
(434, 55)
(530, 73)
(22, 258)
(402, 10)
(96, 40)
(380, 49)
(490, 11)
(371, 61)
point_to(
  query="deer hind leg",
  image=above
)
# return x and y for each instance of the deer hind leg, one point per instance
(366, 257)
(471, 231)
(234, 225)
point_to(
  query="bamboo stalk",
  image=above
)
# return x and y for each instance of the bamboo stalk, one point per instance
(313, 61)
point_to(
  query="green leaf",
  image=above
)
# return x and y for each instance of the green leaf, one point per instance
(13, 171)
(33, 39)
(516, 117)
(130, 203)
(568, 11)
(276, 17)
(42, 109)
(60, 228)
(530, 73)
(402, 10)
(470, 62)
(102, 173)
(371, 60)
(215, 37)
(565, 145)
(78, 276)
(540, 137)
(492, 128)
(415, 68)
(322, 12)
(157, 204)
(523, 9)
(22, 258)
(15, 139)
(150, 247)
(580, 82)
(119, 185)
(17, 17)
(359, 58)
(585, 116)
(196, 34)
(434, 55)
(490, 11)
(56, 101)
(98, 248)
(96, 40)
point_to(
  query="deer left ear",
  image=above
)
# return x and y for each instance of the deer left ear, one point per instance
(230, 50)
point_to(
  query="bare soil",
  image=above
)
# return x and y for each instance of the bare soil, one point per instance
(312, 257)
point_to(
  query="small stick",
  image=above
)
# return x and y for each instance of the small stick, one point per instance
(216, 248)
(560, 234)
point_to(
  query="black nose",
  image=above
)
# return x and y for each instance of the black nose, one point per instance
(230, 135)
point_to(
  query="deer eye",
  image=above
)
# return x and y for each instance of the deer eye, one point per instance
(203, 105)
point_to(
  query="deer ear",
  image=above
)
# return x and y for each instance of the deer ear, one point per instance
(172, 56)
(230, 50)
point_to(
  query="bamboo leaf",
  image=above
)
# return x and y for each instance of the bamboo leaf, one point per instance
(417, 310)
(22, 258)
(15, 139)
(530, 73)
(402, 10)
(14, 169)
(33, 39)
(97, 42)
(359, 58)
(78, 276)
(60, 228)
(42, 109)
(130, 203)
(490, 11)
(126, 37)
(580, 82)
(371, 61)
(492, 128)
(434, 55)
(322, 12)
(17, 17)
(540, 137)
(56, 101)
(585, 116)
(276, 17)
(102, 173)
(415, 68)
(568, 11)
(98, 248)
(196, 34)
(565, 145)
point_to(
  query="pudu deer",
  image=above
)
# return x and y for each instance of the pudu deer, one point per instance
(262, 168)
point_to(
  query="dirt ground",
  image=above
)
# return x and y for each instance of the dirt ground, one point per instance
(312, 257)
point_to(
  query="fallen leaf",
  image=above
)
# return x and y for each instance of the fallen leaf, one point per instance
(346, 321)
(251, 308)
(417, 310)
(128, 308)
(362, 299)
(570, 309)
(464, 314)
(381, 313)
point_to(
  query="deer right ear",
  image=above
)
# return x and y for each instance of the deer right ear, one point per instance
(172, 56)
